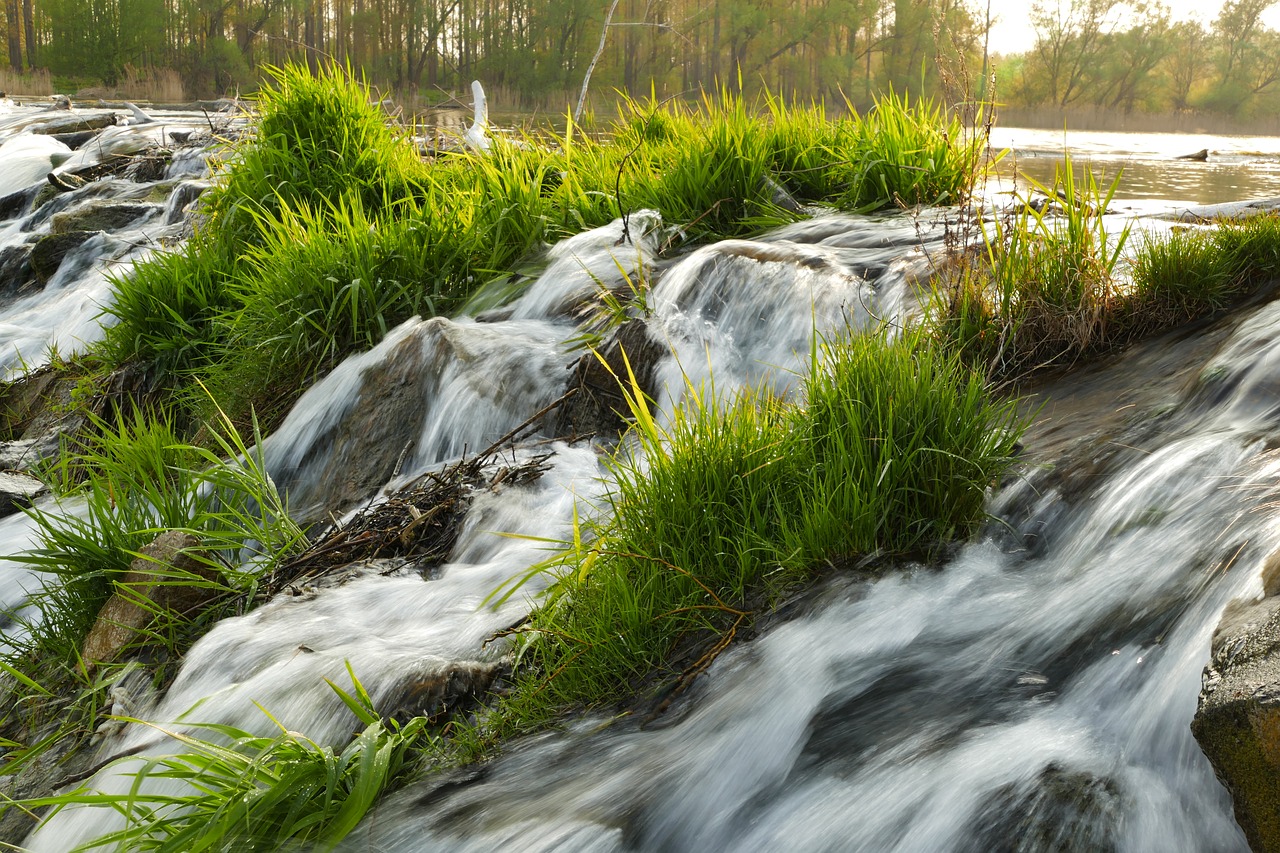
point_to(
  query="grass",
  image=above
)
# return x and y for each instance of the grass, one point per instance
(733, 503)
(1039, 285)
(133, 480)
(327, 227)
(251, 792)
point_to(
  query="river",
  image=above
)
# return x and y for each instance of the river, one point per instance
(1032, 694)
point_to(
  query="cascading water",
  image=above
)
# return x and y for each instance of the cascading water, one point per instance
(1034, 693)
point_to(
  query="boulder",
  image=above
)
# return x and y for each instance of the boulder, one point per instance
(16, 275)
(17, 491)
(151, 578)
(100, 216)
(1237, 721)
(48, 252)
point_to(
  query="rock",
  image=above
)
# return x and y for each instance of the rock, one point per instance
(1198, 156)
(75, 139)
(16, 275)
(16, 204)
(150, 577)
(100, 216)
(48, 252)
(17, 491)
(598, 405)
(1237, 721)
(74, 123)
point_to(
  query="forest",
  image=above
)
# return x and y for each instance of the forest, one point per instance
(1101, 54)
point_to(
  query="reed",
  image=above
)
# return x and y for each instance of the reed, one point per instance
(1039, 285)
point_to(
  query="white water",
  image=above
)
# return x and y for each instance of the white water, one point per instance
(1033, 694)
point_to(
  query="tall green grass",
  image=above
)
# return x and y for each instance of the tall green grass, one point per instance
(255, 793)
(1038, 286)
(133, 480)
(724, 509)
(1191, 273)
(327, 226)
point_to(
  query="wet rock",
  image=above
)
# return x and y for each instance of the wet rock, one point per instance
(75, 139)
(1237, 721)
(17, 491)
(443, 689)
(74, 123)
(598, 405)
(16, 275)
(48, 252)
(1063, 810)
(16, 204)
(151, 578)
(100, 216)
(181, 198)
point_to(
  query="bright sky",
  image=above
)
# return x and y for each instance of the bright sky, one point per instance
(1012, 32)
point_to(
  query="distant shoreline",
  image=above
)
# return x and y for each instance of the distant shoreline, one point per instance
(1091, 118)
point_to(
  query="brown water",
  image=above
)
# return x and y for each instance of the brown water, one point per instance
(1238, 168)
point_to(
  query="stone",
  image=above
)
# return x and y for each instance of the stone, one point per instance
(1237, 720)
(48, 252)
(75, 139)
(150, 577)
(17, 491)
(16, 204)
(16, 275)
(100, 216)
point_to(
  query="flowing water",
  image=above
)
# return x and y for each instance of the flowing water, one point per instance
(1033, 694)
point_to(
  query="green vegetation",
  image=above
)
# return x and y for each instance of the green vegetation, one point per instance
(1039, 287)
(256, 793)
(732, 504)
(1045, 286)
(329, 229)
(133, 480)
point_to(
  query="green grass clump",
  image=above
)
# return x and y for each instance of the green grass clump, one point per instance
(255, 793)
(328, 227)
(1179, 277)
(1041, 287)
(912, 154)
(318, 137)
(723, 510)
(133, 480)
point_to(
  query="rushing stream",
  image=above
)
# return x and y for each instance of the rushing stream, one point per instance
(1033, 694)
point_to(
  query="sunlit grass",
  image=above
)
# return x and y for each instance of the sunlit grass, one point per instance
(717, 514)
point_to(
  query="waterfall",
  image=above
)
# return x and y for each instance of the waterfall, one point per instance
(1032, 693)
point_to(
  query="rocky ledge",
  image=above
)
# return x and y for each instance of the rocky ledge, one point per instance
(1237, 723)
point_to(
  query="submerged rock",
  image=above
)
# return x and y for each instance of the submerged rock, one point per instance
(101, 216)
(1237, 721)
(47, 254)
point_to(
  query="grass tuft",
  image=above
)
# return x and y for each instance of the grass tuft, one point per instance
(731, 504)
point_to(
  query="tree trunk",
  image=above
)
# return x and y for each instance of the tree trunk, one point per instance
(15, 35)
(29, 24)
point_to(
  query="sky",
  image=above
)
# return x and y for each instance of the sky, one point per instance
(1013, 34)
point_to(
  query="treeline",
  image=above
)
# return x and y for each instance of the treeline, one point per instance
(1099, 53)
(1134, 57)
